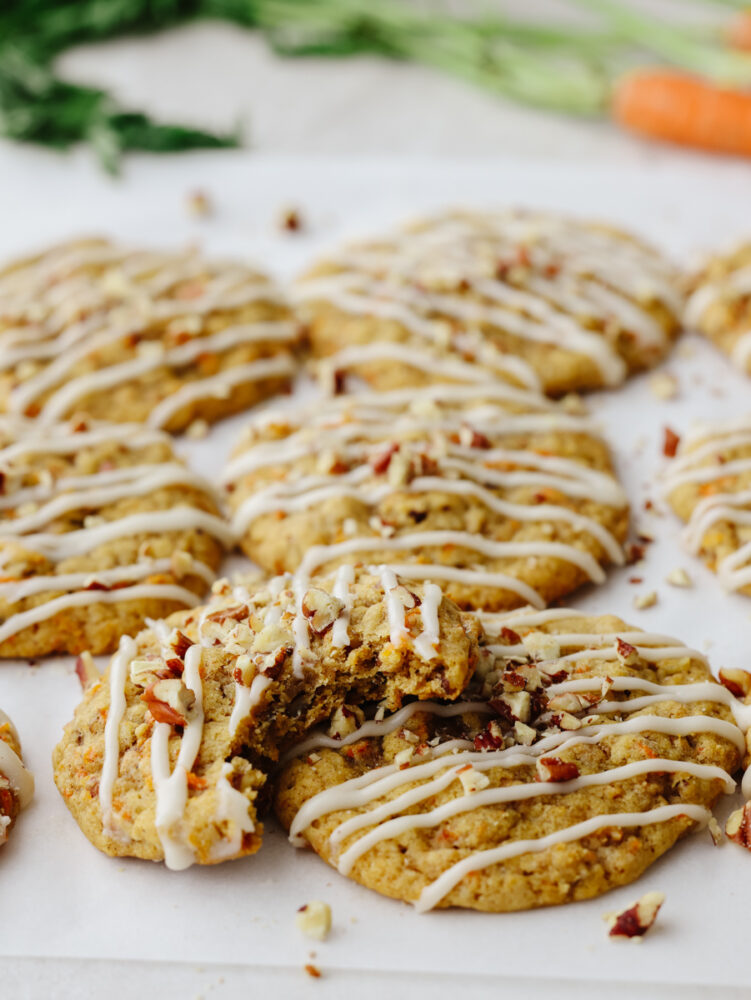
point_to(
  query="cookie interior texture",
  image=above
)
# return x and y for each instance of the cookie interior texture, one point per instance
(16, 782)
(497, 493)
(719, 305)
(101, 526)
(534, 297)
(193, 712)
(585, 751)
(708, 484)
(151, 336)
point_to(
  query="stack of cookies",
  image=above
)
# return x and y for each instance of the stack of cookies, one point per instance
(394, 681)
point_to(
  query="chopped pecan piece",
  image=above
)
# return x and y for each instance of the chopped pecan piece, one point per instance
(169, 701)
(738, 826)
(635, 921)
(86, 669)
(738, 682)
(555, 769)
(321, 609)
(670, 443)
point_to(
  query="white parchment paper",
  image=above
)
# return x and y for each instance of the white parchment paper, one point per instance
(62, 899)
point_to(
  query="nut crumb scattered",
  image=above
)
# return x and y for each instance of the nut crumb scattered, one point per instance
(634, 922)
(291, 220)
(314, 919)
(738, 826)
(678, 578)
(648, 600)
(197, 430)
(86, 669)
(313, 971)
(715, 832)
(663, 386)
(670, 443)
(199, 204)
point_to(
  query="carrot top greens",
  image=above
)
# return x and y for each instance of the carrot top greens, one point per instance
(568, 69)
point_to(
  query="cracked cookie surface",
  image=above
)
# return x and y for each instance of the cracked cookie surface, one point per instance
(166, 756)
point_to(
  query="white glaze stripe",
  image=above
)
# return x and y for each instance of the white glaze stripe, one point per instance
(111, 761)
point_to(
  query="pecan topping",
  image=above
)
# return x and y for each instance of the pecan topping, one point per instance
(555, 769)
(169, 701)
(321, 609)
(180, 643)
(237, 614)
(738, 682)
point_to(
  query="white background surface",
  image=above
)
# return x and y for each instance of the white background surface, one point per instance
(229, 932)
(62, 899)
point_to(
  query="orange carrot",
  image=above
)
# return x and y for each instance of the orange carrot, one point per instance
(673, 106)
(738, 33)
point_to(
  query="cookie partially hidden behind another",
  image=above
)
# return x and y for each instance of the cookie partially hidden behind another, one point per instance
(499, 494)
(708, 484)
(528, 296)
(16, 783)
(584, 750)
(166, 757)
(101, 526)
(149, 336)
(720, 304)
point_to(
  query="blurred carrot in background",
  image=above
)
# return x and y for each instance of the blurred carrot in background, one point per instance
(738, 33)
(693, 90)
(670, 105)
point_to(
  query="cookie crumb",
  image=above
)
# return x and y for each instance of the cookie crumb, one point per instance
(663, 386)
(634, 922)
(198, 430)
(715, 832)
(291, 220)
(678, 578)
(648, 600)
(314, 919)
(313, 971)
(199, 204)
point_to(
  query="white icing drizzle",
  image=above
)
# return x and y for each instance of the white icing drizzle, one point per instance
(246, 699)
(345, 577)
(12, 768)
(232, 809)
(426, 643)
(47, 501)
(438, 767)
(575, 272)
(171, 787)
(319, 555)
(356, 429)
(111, 761)
(220, 386)
(434, 893)
(398, 632)
(701, 461)
(128, 292)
